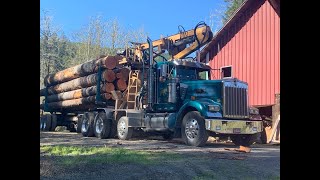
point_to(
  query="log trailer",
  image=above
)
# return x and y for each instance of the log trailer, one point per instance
(171, 97)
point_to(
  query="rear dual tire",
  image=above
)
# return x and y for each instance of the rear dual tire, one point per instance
(87, 125)
(48, 122)
(102, 126)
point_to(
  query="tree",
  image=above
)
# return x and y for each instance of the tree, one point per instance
(56, 51)
(48, 38)
(90, 40)
(232, 6)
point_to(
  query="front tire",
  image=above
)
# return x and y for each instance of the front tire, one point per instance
(102, 126)
(193, 129)
(87, 125)
(124, 131)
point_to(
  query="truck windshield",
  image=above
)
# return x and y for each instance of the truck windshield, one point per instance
(192, 74)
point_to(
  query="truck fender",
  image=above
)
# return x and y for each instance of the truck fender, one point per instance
(107, 111)
(187, 107)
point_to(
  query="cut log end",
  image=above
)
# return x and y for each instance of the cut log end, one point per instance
(121, 85)
(109, 76)
(109, 87)
(110, 62)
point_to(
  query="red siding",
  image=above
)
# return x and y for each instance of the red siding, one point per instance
(252, 47)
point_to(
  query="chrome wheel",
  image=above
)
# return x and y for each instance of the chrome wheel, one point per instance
(85, 125)
(122, 128)
(99, 125)
(192, 128)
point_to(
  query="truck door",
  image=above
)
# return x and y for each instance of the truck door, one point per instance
(165, 74)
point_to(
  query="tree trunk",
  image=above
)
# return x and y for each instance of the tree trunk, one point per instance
(78, 83)
(119, 94)
(71, 73)
(121, 84)
(109, 75)
(90, 100)
(123, 74)
(109, 87)
(110, 62)
(79, 93)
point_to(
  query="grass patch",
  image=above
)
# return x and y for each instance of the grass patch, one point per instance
(71, 155)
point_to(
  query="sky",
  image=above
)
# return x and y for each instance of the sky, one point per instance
(160, 17)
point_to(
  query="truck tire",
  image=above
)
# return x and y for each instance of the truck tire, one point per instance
(87, 125)
(102, 126)
(244, 139)
(79, 124)
(124, 132)
(47, 122)
(193, 129)
(53, 122)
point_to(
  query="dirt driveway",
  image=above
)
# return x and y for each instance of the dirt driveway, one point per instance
(210, 162)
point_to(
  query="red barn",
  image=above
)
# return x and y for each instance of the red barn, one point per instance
(247, 47)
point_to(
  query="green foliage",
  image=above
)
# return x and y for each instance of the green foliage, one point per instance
(232, 6)
(73, 155)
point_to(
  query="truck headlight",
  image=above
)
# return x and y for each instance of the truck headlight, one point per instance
(213, 108)
(254, 110)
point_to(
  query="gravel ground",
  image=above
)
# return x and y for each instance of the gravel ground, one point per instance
(212, 161)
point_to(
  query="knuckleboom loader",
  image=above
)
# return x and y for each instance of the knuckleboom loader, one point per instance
(173, 97)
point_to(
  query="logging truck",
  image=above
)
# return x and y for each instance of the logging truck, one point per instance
(132, 93)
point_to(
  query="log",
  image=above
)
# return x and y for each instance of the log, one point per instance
(123, 74)
(78, 83)
(119, 94)
(110, 62)
(84, 69)
(79, 93)
(107, 96)
(72, 73)
(90, 100)
(109, 87)
(121, 85)
(109, 75)
(83, 82)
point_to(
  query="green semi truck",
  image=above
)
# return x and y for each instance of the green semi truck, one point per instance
(171, 98)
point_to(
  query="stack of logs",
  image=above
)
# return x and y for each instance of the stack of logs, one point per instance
(76, 87)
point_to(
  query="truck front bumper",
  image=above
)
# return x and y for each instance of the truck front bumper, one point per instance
(224, 126)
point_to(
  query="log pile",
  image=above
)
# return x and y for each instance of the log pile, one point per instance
(77, 87)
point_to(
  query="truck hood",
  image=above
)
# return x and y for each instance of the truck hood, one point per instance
(201, 89)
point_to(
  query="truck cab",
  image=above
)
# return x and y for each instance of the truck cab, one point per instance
(185, 103)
